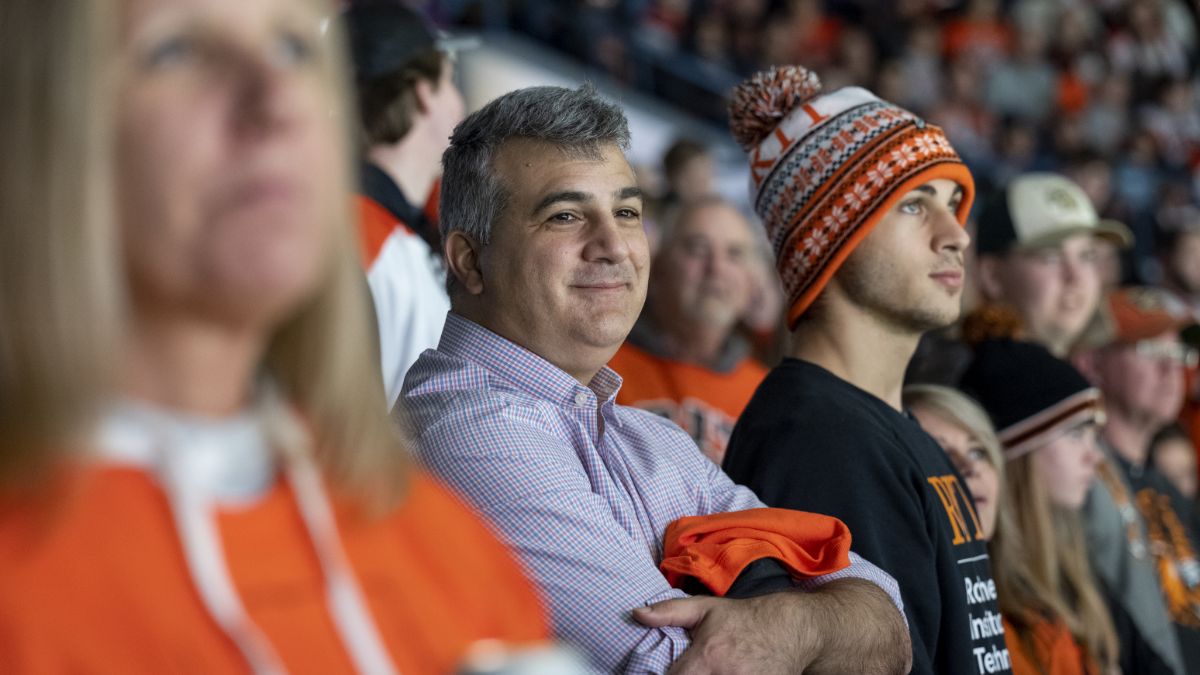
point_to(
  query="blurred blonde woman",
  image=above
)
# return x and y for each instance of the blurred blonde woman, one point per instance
(1046, 415)
(247, 506)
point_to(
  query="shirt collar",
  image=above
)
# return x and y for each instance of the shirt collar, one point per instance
(521, 368)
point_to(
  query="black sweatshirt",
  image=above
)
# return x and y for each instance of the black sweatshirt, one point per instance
(811, 441)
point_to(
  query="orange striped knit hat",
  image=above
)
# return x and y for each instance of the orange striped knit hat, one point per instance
(824, 168)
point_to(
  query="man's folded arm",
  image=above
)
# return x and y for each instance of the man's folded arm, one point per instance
(591, 572)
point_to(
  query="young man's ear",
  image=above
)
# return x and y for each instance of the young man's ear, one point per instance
(987, 272)
(462, 262)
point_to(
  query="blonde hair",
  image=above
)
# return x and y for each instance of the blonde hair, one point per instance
(955, 406)
(58, 272)
(1057, 580)
(58, 276)
(1039, 557)
(324, 357)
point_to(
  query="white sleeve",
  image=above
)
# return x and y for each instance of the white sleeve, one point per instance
(409, 291)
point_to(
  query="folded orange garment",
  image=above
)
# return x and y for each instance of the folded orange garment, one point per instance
(715, 549)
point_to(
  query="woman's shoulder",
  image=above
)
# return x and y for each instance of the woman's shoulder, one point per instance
(74, 509)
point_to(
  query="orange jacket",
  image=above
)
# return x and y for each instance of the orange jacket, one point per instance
(714, 549)
(97, 582)
(1054, 651)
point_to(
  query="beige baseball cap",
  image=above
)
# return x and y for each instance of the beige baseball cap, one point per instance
(1038, 210)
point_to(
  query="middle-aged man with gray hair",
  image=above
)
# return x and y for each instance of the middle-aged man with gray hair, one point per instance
(542, 229)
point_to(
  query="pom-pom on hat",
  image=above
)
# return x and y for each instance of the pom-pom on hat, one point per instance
(825, 168)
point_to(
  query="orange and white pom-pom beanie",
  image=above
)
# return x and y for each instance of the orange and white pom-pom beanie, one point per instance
(824, 168)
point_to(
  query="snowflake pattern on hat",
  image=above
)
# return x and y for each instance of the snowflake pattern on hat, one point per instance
(826, 167)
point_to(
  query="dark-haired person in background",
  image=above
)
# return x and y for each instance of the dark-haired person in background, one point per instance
(408, 105)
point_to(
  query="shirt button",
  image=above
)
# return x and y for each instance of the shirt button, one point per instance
(581, 398)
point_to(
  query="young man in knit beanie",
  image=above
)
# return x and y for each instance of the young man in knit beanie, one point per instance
(863, 203)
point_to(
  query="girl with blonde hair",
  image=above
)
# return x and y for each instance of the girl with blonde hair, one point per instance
(1046, 415)
(247, 504)
(1036, 641)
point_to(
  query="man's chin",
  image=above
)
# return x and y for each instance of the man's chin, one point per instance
(607, 328)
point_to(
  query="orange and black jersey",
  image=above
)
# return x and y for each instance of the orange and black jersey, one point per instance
(704, 401)
(1171, 531)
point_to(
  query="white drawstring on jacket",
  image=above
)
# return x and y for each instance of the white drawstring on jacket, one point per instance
(202, 464)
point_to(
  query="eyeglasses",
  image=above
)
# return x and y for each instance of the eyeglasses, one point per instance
(1173, 352)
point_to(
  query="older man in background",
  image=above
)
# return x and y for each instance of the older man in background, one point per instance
(1134, 354)
(685, 359)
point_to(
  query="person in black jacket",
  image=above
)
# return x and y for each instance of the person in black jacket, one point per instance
(864, 204)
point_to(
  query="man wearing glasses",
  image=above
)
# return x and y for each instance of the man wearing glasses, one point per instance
(1135, 356)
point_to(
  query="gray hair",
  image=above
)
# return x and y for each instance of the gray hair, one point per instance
(577, 120)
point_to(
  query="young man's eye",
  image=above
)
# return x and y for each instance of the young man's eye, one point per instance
(912, 207)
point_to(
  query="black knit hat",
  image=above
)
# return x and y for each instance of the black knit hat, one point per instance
(1029, 393)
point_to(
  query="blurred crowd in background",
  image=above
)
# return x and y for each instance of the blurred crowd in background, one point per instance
(1103, 91)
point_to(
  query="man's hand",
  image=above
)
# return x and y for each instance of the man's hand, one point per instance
(846, 626)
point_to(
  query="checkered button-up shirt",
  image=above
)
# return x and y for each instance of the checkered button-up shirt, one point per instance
(581, 488)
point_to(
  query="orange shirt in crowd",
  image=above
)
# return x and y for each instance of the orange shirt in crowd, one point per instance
(704, 402)
(97, 582)
(988, 39)
(1052, 650)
